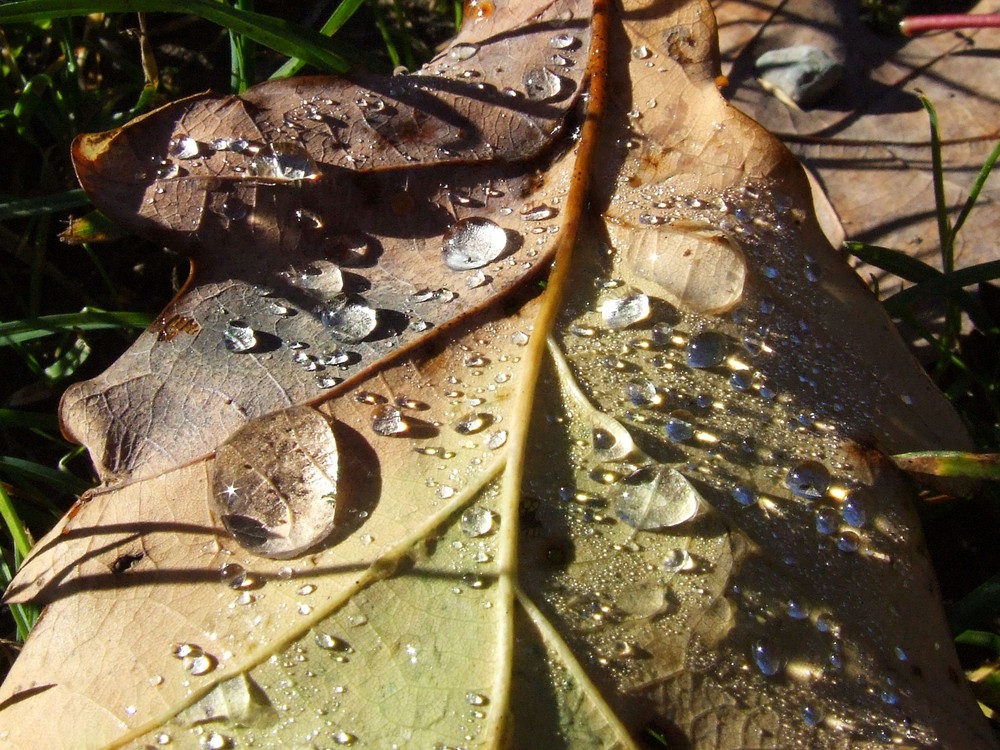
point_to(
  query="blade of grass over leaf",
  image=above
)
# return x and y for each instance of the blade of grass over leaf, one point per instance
(275, 33)
(977, 187)
(19, 331)
(951, 464)
(894, 261)
(943, 284)
(53, 478)
(338, 18)
(25, 615)
(44, 204)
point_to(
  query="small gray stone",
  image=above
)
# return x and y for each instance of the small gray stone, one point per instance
(802, 74)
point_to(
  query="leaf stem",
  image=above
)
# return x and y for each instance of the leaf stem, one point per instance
(513, 477)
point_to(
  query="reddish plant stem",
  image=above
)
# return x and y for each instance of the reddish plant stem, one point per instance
(913, 25)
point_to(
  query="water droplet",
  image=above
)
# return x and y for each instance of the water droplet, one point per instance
(766, 657)
(476, 699)
(641, 52)
(642, 393)
(855, 511)
(308, 219)
(538, 213)
(445, 492)
(463, 52)
(473, 243)
(233, 208)
(472, 423)
(167, 170)
(476, 522)
(329, 642)
(520, 338)
(201, 664)
(349, 318)
(216, 741)
(341, 737)
(164, 739)
(744, 495)
(827, 521)
(812, 716)
(477, 280)
(275, 482)
(706, 349)
(848, 541)
(656, 497)
(387, 420)
(564, 41)
(239, 337)
(678, 430)
(235, 576)
(796, 610)
(184, 147)
(621, 312)
(676, 560)
(808, 479)
(496, 439)
(541, 84)
(284, 160)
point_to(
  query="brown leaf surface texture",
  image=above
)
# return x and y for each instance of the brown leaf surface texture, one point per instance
(868, 140)
(651, 501)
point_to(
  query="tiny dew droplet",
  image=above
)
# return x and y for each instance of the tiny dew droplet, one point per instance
(563, 41)
(641, 52)
(476, 699)
(538, 213)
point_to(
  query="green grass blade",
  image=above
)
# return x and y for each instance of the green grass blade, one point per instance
(275, 33)
(894, 261)
(937, 170)
(19, 331)
(57, 480)
(341, 15)
(43, 204)
(28, 420)
(18, 534)
(943, 285)
(976, 608)
(980, 639)
(25, 615)
(951, 464)
(977, 187)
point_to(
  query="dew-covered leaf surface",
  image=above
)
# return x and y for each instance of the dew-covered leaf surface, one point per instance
(650, 501)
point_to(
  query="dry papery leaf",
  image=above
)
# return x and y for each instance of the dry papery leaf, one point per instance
(648, 504)
(868, 140)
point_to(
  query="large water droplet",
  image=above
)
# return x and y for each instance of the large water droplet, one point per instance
(463, 52)
(623, 311)
(706, 349)
(855, 510)
(349, 318)
(275, 482)
(655, 498)
(476, 521)
(387, 420)
(808, 479)
(541, 84)
(239, 337)
(284, 160)
(691, 265)
(676, 560)
(472, 423)
(473, 243)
